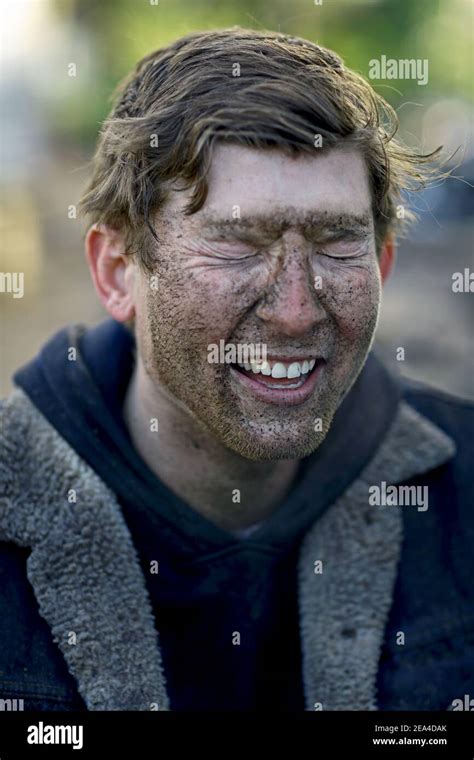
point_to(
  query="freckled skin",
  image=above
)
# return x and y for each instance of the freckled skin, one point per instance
(262, 292)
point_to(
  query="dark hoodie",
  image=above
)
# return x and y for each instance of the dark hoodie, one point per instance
(225, 606)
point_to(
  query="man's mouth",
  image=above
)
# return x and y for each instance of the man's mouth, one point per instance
(286, 381)
(278, 373)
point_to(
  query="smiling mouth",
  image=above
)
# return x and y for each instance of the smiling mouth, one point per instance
(281, 382)
(285, 391)
(279, 373)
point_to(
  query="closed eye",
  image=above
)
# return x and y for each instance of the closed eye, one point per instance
(343, 247)
(225, 251)
(342, 252)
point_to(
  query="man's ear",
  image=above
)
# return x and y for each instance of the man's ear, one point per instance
(387, 257)
(112, 271)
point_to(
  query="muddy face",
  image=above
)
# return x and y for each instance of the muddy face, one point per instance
(281, 254)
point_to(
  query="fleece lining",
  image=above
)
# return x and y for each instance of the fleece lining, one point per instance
(82, 562)
(344, 608)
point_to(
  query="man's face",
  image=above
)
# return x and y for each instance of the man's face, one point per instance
(282, 254)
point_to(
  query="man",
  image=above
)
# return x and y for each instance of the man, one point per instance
(185, 532)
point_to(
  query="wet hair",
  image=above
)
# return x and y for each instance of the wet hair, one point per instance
(254, 88)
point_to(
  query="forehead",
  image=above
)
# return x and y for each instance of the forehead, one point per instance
(250, 183)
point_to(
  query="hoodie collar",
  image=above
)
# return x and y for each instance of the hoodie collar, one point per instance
(345, 607)
(78, 382)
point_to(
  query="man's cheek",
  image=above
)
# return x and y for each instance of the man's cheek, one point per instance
(181, 331)
(216, 314)
(353, 301)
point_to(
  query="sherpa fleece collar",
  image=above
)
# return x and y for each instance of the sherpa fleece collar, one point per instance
(83, 561)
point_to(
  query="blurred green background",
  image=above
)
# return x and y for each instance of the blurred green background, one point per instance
(50, 121)
(117, 32)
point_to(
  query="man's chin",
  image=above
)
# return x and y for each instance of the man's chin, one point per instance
(275, 448)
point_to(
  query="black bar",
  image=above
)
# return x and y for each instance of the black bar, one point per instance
(312, 735)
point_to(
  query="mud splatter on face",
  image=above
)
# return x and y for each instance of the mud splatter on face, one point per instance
(254, 282)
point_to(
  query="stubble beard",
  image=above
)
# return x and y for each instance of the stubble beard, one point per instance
(255, 430)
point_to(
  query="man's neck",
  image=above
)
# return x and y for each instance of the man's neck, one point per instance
(227, 489)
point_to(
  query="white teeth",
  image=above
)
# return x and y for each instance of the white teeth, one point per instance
(294, 370)
(279, 370)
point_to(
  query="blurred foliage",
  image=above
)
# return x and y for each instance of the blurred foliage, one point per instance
(120, 32)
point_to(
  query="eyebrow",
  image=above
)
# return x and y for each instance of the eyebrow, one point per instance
(274, 224)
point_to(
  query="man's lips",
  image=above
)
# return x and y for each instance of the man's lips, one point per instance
(283, 391)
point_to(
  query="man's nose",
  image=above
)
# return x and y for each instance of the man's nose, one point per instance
(292, 305)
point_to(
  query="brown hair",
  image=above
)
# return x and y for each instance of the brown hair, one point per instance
(180, 99)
